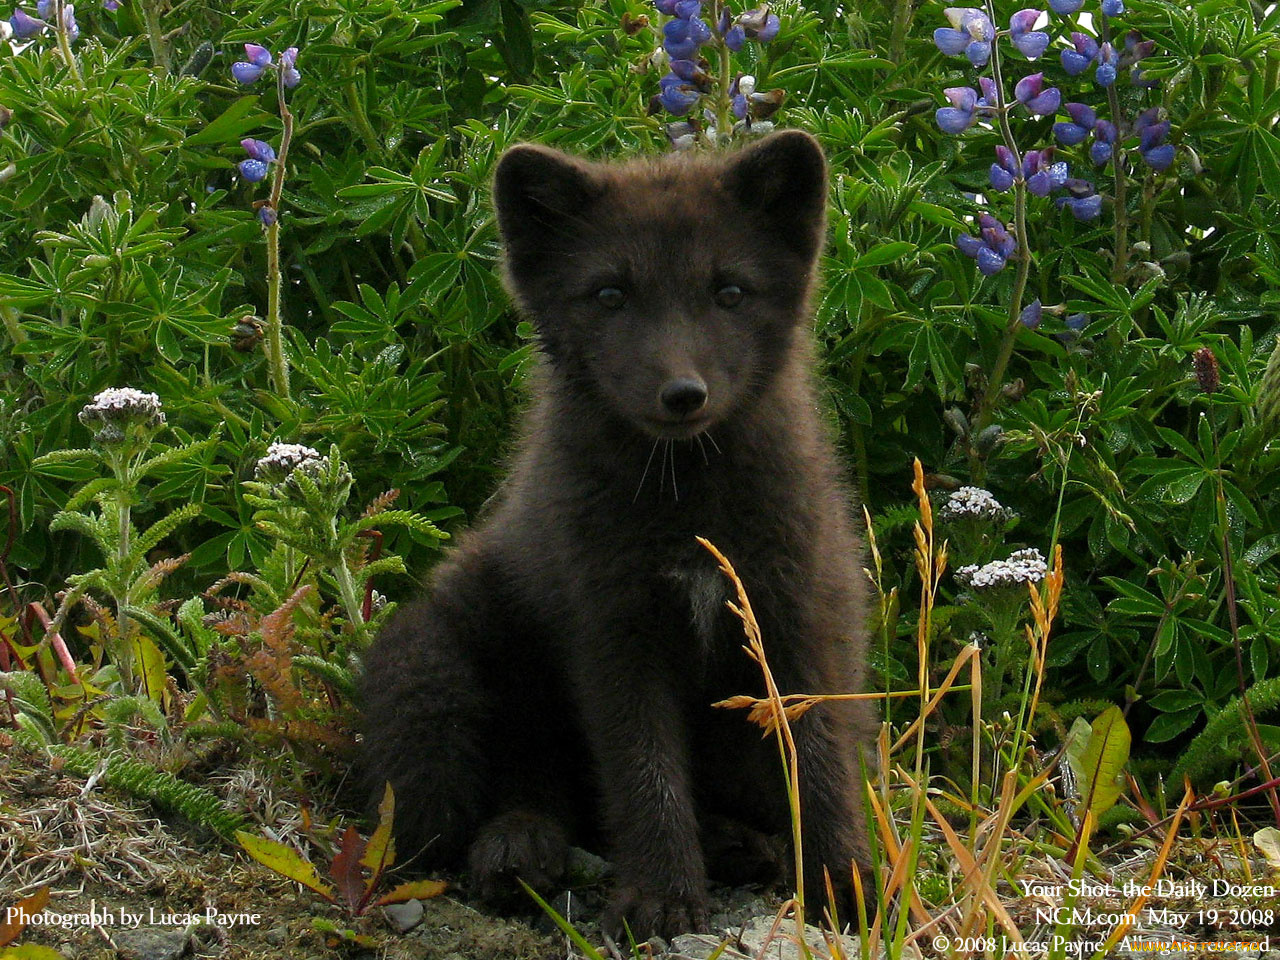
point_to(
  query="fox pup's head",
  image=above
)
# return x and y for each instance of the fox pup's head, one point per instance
(671, 289)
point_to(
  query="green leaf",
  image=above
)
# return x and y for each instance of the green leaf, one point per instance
(1102, 762)
(228, 127)
(285, 861)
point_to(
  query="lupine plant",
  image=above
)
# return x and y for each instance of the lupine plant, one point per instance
(258, 62)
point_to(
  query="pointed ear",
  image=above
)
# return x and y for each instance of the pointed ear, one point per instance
(540, 194)
(782, 178)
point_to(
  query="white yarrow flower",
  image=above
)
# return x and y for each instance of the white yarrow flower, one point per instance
(282, 458)
(973, 502)
(1022, 567)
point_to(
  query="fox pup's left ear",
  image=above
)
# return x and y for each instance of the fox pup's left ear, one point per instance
(783, 178)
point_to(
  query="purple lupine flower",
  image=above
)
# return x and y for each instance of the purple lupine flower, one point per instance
(261, 155)
(44, 9)
(69, 25)
(255, 171)
(1064, 8)
(249, 71)
(1072, 132)
(1077, 61)
(666, 6)
(1031, 314)
(1005, 170)
(1042, 174)
(738, 93)
(111, 5)
(1082, 200)
(992, 248)
(1113, 8)
(735, 38)
(759, 24)
(1151, 132)
(959, 116)
(1104, 142)
(289, 68)
(258, 149)
(24, 25)
(970, 35)
(267, 214)
(1031, 43)
(1076, 322)
(987, 96)
(688, 8)
(1107, 62)
(1035, 96)
(677, 95)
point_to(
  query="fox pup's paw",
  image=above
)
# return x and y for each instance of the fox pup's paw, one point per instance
(518, 843)
(647, 913)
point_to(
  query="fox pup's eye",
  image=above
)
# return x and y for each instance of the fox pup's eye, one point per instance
(729, 295)
(611, 297)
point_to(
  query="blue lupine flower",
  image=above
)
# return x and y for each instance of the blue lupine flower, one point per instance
(681, 37)
(1113, 8)
(738, 96)
(1077, 61)
(1072, 132)
(666, 6)
(69, 25)
(759, 24)
(1065, 8)
(24, 25)
(44, 9)
(254, 171)
(1151, 132)
(1031, 314)
(289, 67)
(1042, 174)
(992, 248)
(111, 5)
(261, 155)
(1005, 170)
(960, 115)
(1082, 200)
(677, 95)
(688, 8)
(249, 71)
(1035, 96)
(970, 34)
(988, 94)
(267, 214)
(735, 38)
(1032, 43)
(1104, 142)
(258, 149)
(1107, 63)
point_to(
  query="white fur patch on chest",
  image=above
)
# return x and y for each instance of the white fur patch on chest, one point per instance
(704, 589)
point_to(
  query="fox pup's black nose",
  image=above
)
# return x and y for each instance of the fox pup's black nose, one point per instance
(684, 396)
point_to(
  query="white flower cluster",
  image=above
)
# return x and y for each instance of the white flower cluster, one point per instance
(1022, 567)
(282, 458)
(973, 502)
(108, 413)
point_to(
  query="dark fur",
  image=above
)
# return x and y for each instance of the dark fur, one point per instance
(559, 676)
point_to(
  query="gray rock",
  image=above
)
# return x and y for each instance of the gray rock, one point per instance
(404, 916)
(150, 943)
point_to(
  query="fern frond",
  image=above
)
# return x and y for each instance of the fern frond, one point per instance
(161, 529)
(1224, 736)
(178, 454)
(335, 675)
(31, 698)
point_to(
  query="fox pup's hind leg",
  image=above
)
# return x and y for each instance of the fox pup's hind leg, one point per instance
(464, 718)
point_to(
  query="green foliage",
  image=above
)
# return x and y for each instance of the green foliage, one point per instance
(133, 256)
(141, 780)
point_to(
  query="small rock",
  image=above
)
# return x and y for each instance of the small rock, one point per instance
(404, 916)
(150, 943)
(583, 868)
(701, 946)
(783, 946)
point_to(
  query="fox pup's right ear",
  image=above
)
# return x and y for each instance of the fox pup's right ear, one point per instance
(540, 194)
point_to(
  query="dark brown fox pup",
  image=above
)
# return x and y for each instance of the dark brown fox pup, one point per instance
(557, 683)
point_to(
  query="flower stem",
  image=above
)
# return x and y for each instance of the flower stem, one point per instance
(726, 78)
(64, 42)
(986, 406)
(273, 343)
(155, 35)
(1120, 264)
